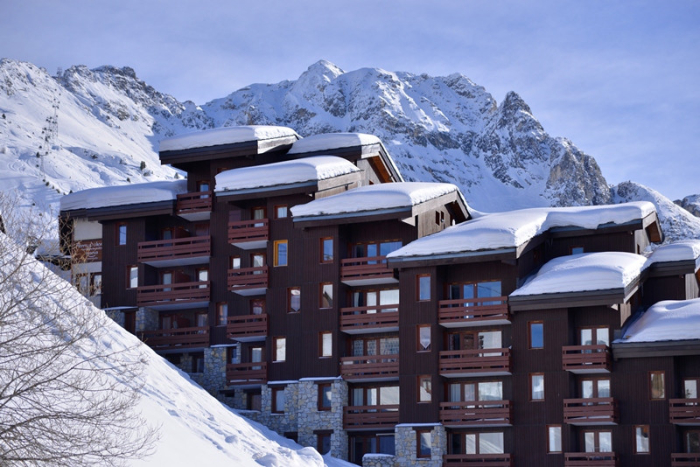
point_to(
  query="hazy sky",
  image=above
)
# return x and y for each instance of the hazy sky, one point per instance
(618, 78)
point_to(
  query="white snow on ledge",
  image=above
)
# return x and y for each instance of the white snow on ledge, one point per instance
(329, 141)
(225, 135)
(284, 173)
(684, 250)
(512, 229)
(374, 198)
(669, 320)
(124, 194)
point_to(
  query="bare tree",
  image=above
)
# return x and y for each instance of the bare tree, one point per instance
(68, 390)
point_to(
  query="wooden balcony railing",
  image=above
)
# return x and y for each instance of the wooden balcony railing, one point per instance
(473, 312)
(369, 368)
(586, 358)
(172, 295)
(591, 411)
(476, 413)
(248, 327)
(190, 203)
(684, 411)
(361, 319)
(590, 459)
(180, 338)
(481, 362)
(246, 373)
(248, 278)
(473, 460)
(249, 234)
(175, 249)
(370, 417)
(366, 271)
(685, 460)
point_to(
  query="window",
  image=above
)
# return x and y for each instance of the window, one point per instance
(293, 300)
(232, 355)
(592, 388)
(253, 400)
(690, 388)
(202, 320)
(469, 292)
(423, 443)
(423, 287)
(96, 284)
(280, 212)
(280, 251)
(121, 234)
(280, 344)
(373, 249)
(536, 332)
(423, 338)
(326, 295)
(198, 362)
(597, 441)
(323, 442)
(257, 306)
(481, 391)
(376, 395)
(327, 250)
(278, 400)
(641, 439)
(381, 299)
(257, 260)
(133, 278)
(325, 344)
(203, 276)
(258, 213)
(81, 283)
(537, 387)
(554, 439)
(222, 314)
(362, 346)
(692, 442)
(483, 443)
(235, 262)
(472, 340)
(576, 250)
(425, 388)
(656, 385)
(325, 396)
(595, 336)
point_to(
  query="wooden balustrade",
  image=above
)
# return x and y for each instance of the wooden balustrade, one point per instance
(174, 249)
(368, 368)
(590, 459)
(480, 362)
(586, 358)
(476, 413)
(473, 312)
(684, 411)
(248, 278)
(181, 338)
(685, 460)
(468, 460)
(251, 373)
(591, 411)
(190, 203)
(249, 234)
(369, 270)
(370, 417)
(377, 318)
(172, 295)
(248, 327)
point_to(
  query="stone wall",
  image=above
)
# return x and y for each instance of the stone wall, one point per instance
(116, 315)
(146, 319)
(406, 445)
(214, 376)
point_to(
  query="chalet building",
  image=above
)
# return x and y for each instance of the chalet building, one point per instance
(303, 282)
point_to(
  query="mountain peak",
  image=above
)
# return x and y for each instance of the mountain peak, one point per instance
(324, 68)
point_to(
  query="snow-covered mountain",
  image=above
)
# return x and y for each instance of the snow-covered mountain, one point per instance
(691, 204)
(88, 128)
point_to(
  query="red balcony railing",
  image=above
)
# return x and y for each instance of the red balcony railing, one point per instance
(192, 203)
(370, 368)
(172, 295)
(685, 460)
(246, 373)
(481, 362)
(181, 338)
(370, 270)
(591, 411)
(189, 250)
(586, 358)
(473, 312)
(476, 413)
(371, 417)
(249, 234)
(473, 460)
(684, 411)
(361, 319)
(247, 281)
(590, 459)
(248, 327)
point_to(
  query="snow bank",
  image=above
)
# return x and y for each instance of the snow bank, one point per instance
(284, 173)
(330, 141)
(666, 321)
(375, 197)
(226, 135)
(512, 229)
(124, 194)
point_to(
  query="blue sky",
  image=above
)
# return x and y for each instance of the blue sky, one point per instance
(619, 79)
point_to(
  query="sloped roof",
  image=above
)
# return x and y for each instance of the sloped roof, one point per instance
(330, 141)
(137, 193)
(226, 135)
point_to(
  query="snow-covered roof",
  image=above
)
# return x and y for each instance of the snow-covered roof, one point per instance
(684, 250)
(666, 321)
(227, 135)
(310, 169)
(586, 272)
(330, 141)
(512, 229)
(124, 194)
(381, 197)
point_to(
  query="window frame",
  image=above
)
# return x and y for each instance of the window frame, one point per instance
(130, 268)
(219, 314)
(277, 349)
(276, 253)
(421, 288)
(322, 388)
(274, 403)
(118, 232)
(532, 377)
(289, 299)
(651, 385)
(321, 288)
(644, 428)
(321, 344)
(530, 325)
(322, 249)
(419, 346)
(322, 435)
(277, 209)
(419, 443)
(550, 450)
(420, 380)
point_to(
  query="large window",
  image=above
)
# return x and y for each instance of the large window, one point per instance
(472, 340)
(595, 336)
(597, 441)
(483, 443)
(371, 249)
(327, 250)
(280, 344)
(381, 298)
(641, 439)
(475, 391)
(592, 388)
(425, 388)
(473, 290)
(367, 346)
(657, 386)
(280, 252)
(375, 395)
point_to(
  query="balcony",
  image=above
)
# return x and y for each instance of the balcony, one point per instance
(175, 252)
(684, 411)
(473, 460)
(467, 312)
(685, 460)
(173, 296)
(481, 362)
(590, 459)
(591, 411)
(248, 328)
(248, 281)
(371, 417)
(246, 374)
(176, 339)
(370, 368)
(369, 319)
(476, 414)
(371, 270)
(195, 206)
(586, 359)
(249, 235)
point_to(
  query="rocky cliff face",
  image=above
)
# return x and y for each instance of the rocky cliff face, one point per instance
(691, 204)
